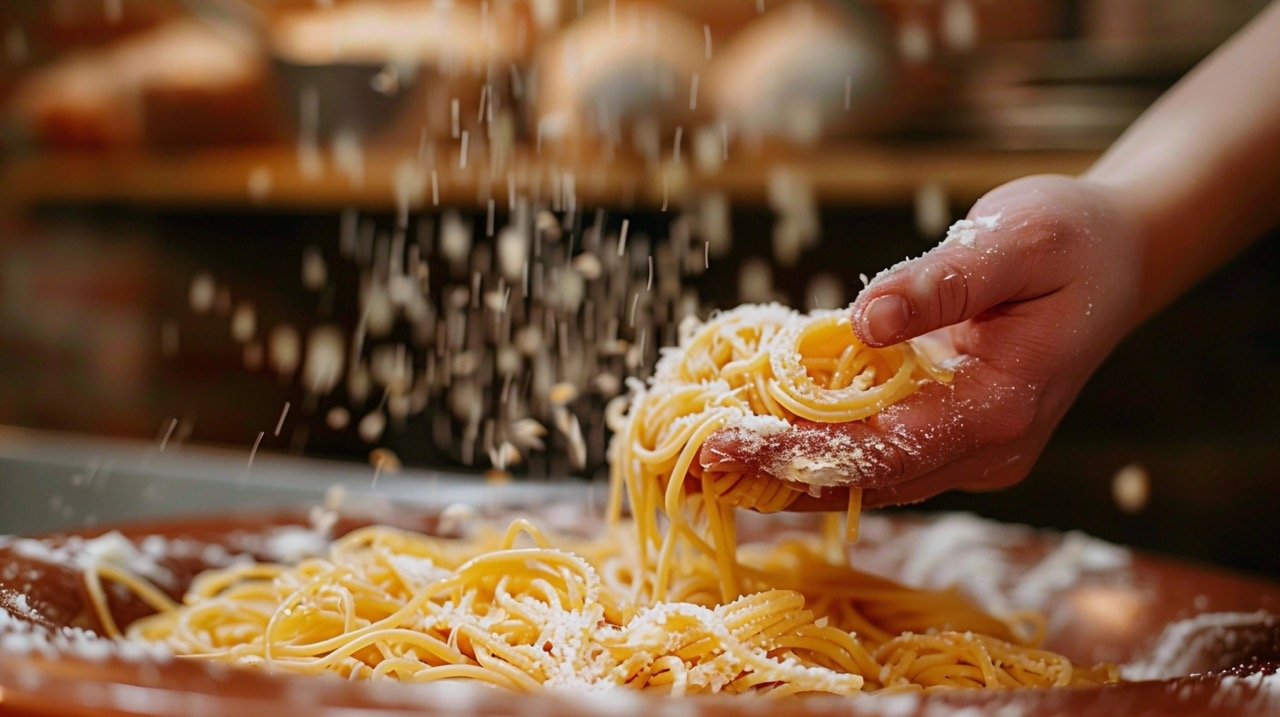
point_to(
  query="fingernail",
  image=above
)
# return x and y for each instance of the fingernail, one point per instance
(886, 319)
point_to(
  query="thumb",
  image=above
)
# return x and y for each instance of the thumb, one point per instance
(986, 260)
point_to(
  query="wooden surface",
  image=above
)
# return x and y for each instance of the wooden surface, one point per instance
(221, 178)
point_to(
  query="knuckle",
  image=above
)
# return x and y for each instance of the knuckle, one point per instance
(951, 293)
(1044, 213)
(1048, 232)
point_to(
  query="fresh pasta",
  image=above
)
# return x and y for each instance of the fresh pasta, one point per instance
(664, 600)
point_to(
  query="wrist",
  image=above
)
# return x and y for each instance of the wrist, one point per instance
(1139, 242)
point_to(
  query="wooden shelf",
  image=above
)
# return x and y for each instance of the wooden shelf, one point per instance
(222, 178)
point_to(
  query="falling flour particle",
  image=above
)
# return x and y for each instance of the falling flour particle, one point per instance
(337, 418)
(457, 519)
(284, 349)
(202, 294)
(244, 322)
(825, 291)
(959, 25)
(284, 413)
(315, 274)
(1131, 488)
(387, 81)
(253, 452)
(708, 153)
(914, 43)
(348, 156)
(384, 461)
(372, 426)
(622, 237)
(325, 359)
(164, 441)
(259, 184)
(932, 209)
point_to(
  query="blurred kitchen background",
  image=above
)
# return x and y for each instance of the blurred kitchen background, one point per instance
(401, 220)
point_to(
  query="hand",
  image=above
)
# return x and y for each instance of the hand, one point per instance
(1035, 293)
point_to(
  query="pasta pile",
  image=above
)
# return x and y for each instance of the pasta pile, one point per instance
(674, 605)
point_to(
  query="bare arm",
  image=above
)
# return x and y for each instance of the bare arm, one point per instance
(1201, 169)
(1051, 275)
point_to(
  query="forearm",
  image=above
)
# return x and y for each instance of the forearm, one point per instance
(1201, 169)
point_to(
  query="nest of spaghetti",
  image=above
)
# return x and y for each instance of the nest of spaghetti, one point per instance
(663, 598)
(759, 369)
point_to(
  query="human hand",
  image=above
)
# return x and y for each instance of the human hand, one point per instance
(1035, 289)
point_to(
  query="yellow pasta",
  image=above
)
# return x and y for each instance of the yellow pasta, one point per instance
(675, 606)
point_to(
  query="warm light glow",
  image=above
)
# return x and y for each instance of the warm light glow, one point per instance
(1109, 608)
